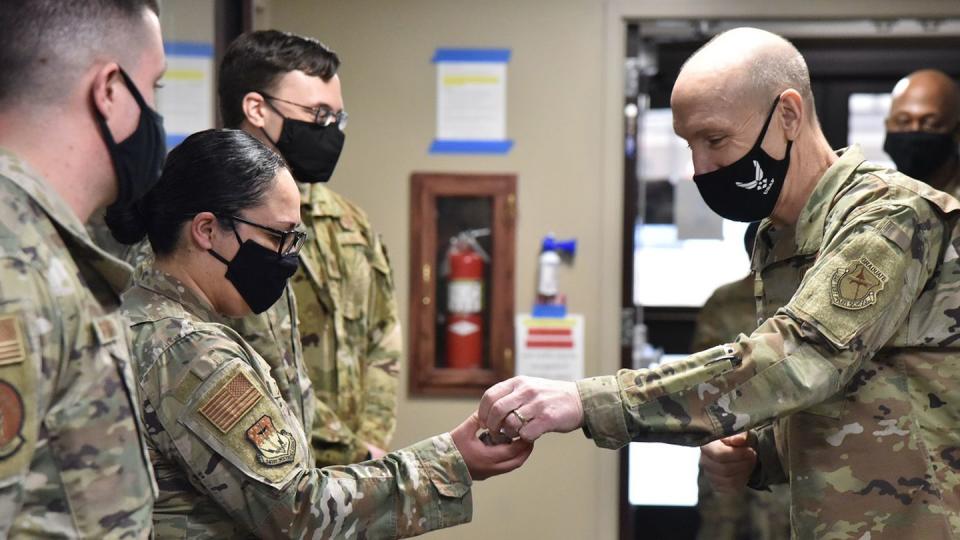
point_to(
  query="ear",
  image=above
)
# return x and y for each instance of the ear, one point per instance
(202, 229)
(106, 84)
(254, 109)
(791, 113)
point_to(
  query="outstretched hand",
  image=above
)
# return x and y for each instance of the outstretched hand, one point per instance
(528, 407)
(485, 460)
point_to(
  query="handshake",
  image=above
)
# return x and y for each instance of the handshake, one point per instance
(499, 437)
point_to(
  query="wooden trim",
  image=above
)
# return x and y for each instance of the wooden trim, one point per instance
(426, 378)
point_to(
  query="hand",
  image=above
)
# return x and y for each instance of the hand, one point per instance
(375, 452)
(484, 461)
(728, 463)
(544, 405)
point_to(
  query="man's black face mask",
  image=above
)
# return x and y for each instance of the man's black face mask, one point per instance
(747, 189)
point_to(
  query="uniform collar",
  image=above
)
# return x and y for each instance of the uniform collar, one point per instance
(163, 284)
(318, 200)
(114, 271)
(813, 218)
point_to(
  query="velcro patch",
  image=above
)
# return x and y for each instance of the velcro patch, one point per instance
(857, 286)
(12, 350)
(274, 447)
(231, 402)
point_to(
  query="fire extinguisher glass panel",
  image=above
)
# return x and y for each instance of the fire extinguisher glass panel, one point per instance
(464, 245)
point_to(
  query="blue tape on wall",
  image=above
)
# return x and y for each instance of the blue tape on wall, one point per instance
(188, 48)
(470, 147)
(471, 55)
(174, 139)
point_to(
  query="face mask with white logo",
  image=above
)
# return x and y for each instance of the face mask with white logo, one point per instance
(747, 189)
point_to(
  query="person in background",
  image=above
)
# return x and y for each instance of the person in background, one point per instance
(856, 359)
(232, 459)
(77, 132)
(745, 514)
(923, 129)
(284, 90)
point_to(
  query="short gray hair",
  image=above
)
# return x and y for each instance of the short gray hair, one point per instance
(45, 45)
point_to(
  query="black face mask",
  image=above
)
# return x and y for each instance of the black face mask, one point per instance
(310, 149)
(919, 154)
(747, 189)
(138, 159)
(258, 273)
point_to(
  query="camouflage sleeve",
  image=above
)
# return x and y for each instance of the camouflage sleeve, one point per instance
(378, 420)
(769, 470)
(228, 429)
(856, 296)
(27, 323)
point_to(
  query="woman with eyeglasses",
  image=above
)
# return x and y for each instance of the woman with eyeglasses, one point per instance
(230, 458)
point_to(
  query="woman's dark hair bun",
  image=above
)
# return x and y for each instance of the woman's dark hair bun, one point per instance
(127, 224)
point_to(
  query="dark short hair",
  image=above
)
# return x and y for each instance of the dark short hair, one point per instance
(46, 44)
(223, 171)
(255, 60)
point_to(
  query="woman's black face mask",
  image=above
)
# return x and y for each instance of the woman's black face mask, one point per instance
(259, 274)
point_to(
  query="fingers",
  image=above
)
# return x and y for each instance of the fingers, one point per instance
(740, 439)
(492, 395)
(498, 412)
(722, 453)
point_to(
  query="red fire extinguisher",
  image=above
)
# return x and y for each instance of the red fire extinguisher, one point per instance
(465, 263)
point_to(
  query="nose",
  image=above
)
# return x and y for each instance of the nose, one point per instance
(703, 162)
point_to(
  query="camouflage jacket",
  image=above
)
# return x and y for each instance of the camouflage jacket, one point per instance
(857, 356)
(231, 457)
(747, 514)
(273, 333)
(350, 328)
(73, 460)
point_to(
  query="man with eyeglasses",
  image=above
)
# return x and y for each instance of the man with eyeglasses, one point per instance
(284, 90)
(923, 129)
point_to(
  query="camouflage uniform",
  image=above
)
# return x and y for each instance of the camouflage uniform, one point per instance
(350, 328)
(232, 458)
(73, 462)
(273, 333)
(857, 356)
(748, 514)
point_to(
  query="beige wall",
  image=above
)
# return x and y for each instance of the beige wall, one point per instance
(564, 92)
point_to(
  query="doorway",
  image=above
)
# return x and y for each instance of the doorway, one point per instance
(853, 67)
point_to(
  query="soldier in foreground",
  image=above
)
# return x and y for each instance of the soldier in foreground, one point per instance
(284, 90)
(856, 359)
(231, 457)
(77, 133)
(923, 129)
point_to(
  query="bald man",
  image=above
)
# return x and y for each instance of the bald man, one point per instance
(923, 129)
(857, 359)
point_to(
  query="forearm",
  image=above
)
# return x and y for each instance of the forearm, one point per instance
(715, 393)
(415, 490)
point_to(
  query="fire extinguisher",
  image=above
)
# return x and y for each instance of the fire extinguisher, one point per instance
(465, 262)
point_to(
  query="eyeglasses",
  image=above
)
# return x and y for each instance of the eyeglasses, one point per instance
(321, 115)
(290, 242)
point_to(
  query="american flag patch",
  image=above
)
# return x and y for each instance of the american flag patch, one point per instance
(11, 340)
(231, 402)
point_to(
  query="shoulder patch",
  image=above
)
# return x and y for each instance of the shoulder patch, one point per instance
(11, 420)
(228, 405)
(857, 286)
(12, 350)
(274, 447)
